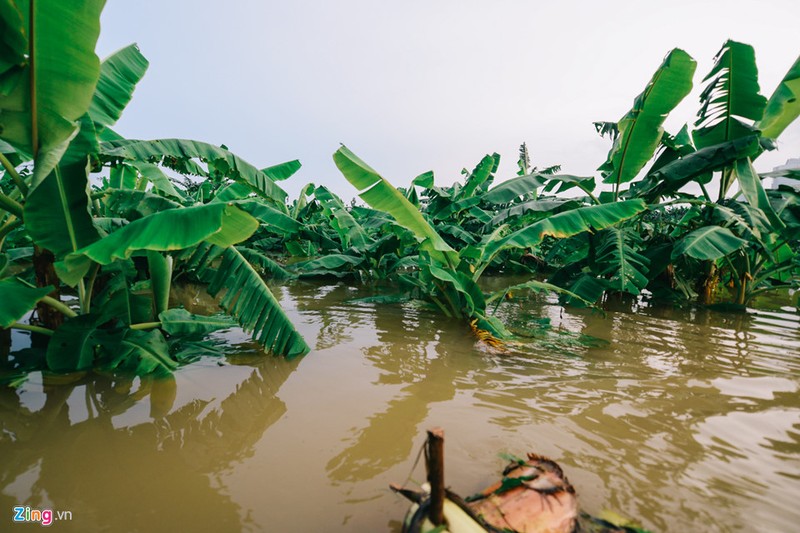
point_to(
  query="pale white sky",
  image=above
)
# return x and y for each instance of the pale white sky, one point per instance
(424, 84)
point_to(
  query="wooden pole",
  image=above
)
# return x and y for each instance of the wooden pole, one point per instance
(435, 466)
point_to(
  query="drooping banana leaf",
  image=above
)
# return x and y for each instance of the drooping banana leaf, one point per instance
(783, 107)
(72, 347)
(267, 266)
(57, 211)
(18, 298)
(640, 129)
(538, 286)
(330, 264)
(753, 191)
(708, 243)
(545, 205)
(186, 150)
(40, 119)
(250, 302)
(133, 204)
(381, 195)
(277, 221)
(119, 74)
(515, 188)
(179, 321)
(140, 353)
(592, 218)
(731, 95)
(350, 231)
(671, 177)
(619, 261)
(219, 224)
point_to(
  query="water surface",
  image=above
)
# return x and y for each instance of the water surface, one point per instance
(687, 420)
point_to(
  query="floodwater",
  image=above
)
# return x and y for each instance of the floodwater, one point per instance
(686, 420)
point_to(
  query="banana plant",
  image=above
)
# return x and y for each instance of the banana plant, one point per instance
(448, 278)
(57, 106)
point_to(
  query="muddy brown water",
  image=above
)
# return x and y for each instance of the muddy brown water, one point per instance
(687, 420)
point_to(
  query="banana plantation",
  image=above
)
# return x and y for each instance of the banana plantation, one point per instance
(98, 231)
(96, 227)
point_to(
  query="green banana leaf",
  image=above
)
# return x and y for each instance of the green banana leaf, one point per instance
(350, 231)
(592, 218)
(641, 128)
(132, 204)
(481, 177)
(783, 107)
(249, 300)
(267, 266)
(708, 243)
(329, 264)
(158, 178)
(671, 177)
(18, 299)
(277, 221)
(382, 196)
(619, 261)
(73, 346)
(732, 94)
(753, 191)
(186, 150)
(13, 46)
(546, 205)
(586, 288)
(538, 286)
(140, 353)
(181, 322)
(119, 74)
(515, 188)
(57, 212)
(219, 224)
(282, 171)
(40, 119)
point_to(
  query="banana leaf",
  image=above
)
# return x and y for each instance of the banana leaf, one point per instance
(248, 299)
(671, 177)
(13, 44)
(753, 191)
(732, 95)
(481, 177)
(57, 211)
(18, 299)
(181, 322)
(708, 243)
(219, 224)
(381, 195)
(592, 218)
(640, 129)
(515, 188)
(783, 107)
(186, 150)
(40, 120)
(350, 231)
(282, 171)
(618, 260)
(119, 74)
(267, 266)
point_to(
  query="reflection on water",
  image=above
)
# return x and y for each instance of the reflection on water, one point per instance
(685, 419)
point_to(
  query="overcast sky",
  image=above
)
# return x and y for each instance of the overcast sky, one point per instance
(419, 85)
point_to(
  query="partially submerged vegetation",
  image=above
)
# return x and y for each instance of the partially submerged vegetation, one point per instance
(696, 224)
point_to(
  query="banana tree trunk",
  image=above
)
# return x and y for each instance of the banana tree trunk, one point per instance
(43, 261)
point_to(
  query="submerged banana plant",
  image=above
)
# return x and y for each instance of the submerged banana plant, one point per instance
(109, 243)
